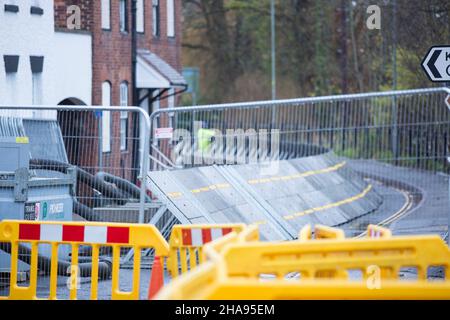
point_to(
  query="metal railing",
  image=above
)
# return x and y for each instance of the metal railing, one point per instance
(99, 151)
(315, 120)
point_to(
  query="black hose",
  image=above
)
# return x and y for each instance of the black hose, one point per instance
(94, 182)
(64, 267)
(119, 184)
(85, 212)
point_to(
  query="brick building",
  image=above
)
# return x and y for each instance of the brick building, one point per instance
(128, 68)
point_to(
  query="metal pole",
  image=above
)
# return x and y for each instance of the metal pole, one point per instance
(145, 141)
(394, 85)
(395, 45)
(448, 220)
(100, 142)
(448, 210)
(274, 70)
(135, 91)
(274, 80)
(134, 51)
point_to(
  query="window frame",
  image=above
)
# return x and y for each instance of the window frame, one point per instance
(156, 18)
(173, 16)
(142, 16)
(123, 14)
(102, 18)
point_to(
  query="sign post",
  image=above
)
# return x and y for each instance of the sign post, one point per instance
(437, 64)
(448, 221)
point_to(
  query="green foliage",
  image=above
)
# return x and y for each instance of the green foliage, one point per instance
(323, 47)
(350, 153)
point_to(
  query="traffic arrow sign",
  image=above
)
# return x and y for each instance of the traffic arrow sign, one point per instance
(437, 64)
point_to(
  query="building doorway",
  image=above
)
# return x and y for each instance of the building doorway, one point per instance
(75, 130)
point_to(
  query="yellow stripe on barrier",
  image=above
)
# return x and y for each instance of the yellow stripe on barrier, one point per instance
(174, 195)
(330, 205)
(325, 207)
(323, 269)
(298, 175)
(220, 186)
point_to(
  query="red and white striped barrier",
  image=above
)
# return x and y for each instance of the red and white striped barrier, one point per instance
(73, 233)
(198, 237)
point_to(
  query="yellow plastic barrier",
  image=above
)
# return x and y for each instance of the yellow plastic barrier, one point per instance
(320, 232)
(305, 233)
(322, 269)
(186, 244)
(249, 234)
(374, 231)
(75, 234)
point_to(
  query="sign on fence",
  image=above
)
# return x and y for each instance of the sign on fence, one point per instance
(164, 133)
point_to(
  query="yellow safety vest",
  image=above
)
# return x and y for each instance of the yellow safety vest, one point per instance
(204, 139)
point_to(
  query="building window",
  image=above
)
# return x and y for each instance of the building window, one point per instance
(123, 11)
(123, 116)
(106, 14)
(106, 117)
(11, 63)
(36, 10)
(170, 18)
(140, 13)
(11, 8)
(155, 17)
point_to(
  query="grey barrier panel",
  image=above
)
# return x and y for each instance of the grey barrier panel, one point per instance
(247, 197)
(185, 192)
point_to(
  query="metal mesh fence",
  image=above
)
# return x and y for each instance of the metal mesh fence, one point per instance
(74, 160)
(70, 163)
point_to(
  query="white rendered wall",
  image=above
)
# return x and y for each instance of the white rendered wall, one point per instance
(72, 64)
(67, 71)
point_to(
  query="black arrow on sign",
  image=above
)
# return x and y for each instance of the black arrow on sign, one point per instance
(431, 63)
